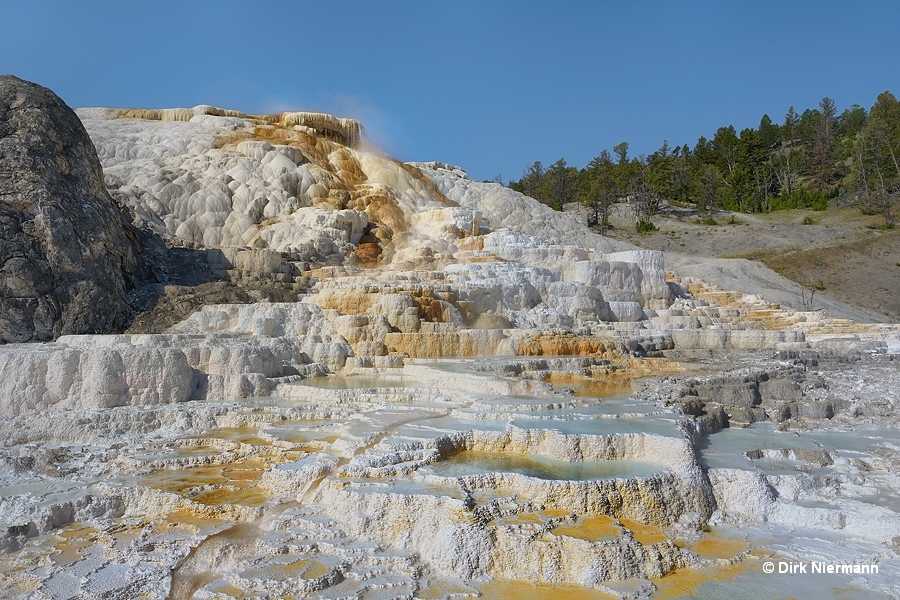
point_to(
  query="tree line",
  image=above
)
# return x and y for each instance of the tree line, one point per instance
(806, 161)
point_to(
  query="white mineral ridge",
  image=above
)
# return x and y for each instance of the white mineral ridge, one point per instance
(466, 549)
(193, 177)
(221, 351)
(503, 207)
(250, 193)
(499, 286)
(726, 339)
(292, 331)
(746, 496)
(65, 375)
(753, 277)
(179, 182)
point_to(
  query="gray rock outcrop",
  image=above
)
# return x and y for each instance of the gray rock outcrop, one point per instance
(67, 256)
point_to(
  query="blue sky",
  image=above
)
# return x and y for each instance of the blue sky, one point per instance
(489, 86)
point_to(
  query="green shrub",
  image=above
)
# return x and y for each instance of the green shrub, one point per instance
(646, 226)
(801, 198)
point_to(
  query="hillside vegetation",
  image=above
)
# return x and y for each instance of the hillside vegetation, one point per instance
(810, 160)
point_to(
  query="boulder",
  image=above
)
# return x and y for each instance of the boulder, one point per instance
(781, 389)
(731, 395)
(67, 255)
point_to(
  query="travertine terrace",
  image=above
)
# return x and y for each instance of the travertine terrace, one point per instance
(456, 392)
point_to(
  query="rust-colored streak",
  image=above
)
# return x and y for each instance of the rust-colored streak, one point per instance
(382, 209)
(570, 345)
(428, 183)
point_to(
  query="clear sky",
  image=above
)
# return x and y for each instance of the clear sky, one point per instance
(489, 86)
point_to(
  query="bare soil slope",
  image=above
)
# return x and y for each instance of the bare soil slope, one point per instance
(863, 272)
(839, 254)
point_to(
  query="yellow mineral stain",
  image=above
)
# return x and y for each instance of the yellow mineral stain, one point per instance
(242, 435)
(444, 589)
(77, 530)
(74, 539)
(565, 344)
(125, 532)
(427, 183)
(242, 474)
(616, 378)
(718, 547)
(239, 473)
(613, 385)
(506, 590)
(367, 253)
(639, 367)
(519, 519)
(530, 518)
(645, 535)
(185, 517)
(718, 544)
(381, 208)
(685, 582)
(182, 480)
(299, 569)
(592, 529)
(307, 569)
(211, 485)
(473, 244)
(306, 444)
(231, 591)
(14, 581)
(252, 496)
(351, 172)
(484, 259)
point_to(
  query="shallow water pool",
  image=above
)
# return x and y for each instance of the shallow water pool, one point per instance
(469, 462)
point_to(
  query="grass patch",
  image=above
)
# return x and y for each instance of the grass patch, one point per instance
(764, 255)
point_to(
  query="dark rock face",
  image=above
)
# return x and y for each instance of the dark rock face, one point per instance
(67, 256)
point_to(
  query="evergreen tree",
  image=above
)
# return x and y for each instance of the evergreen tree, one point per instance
(645, 198)
(824, 168)
(879, 154)
(603, 189)
(560, 184)
(532, 180)
(851, 121)
(708, 189)
(768, 132)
